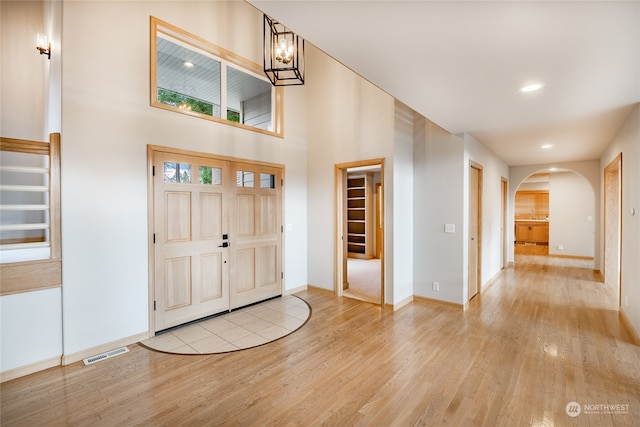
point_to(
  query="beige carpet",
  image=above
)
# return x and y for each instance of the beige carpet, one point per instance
(364, 279)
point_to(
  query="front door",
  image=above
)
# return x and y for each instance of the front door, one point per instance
(217, 233)
(256, 272)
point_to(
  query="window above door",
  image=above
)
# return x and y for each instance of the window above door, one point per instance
(190, 75)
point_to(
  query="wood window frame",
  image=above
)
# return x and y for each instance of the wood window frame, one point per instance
(26, 276)
(160, 26)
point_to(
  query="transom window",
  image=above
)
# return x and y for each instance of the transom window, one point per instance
(195, 77)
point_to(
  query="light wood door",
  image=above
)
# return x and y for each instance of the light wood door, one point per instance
(503, 222)
(191, 266)
(474, 195)
(256, 230)
(379, 218)
(218, 236)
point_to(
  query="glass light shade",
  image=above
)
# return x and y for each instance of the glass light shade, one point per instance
(42, 42)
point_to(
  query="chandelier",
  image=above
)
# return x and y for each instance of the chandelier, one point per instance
(283, 54)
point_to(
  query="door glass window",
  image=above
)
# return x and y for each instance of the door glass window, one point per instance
(267, 180)
(177, 172)
(245, 179)
(209, 175)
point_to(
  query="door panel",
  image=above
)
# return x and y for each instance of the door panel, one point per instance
(246, 269)
(256, 255)
(178, 278)
(210, 216)
(178, 216)
(210, 276)
(268, 217)
(246, 215)
(267, 264)
(191, 268)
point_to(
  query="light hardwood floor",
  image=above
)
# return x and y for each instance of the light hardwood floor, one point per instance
(542, 335)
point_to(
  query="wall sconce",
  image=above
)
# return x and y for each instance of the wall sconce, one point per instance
(283, 54)
(43, 45)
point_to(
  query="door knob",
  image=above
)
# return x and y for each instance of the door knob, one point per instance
(224, 245)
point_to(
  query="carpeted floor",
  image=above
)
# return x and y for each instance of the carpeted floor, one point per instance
(364, 279)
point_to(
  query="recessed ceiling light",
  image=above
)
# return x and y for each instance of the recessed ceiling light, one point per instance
(553, 169)
(546, 146)
(531, 87)
(187, 64)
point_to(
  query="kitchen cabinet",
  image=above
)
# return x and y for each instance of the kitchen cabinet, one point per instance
(532, 232)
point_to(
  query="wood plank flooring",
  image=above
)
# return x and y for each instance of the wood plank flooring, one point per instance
(544, 334)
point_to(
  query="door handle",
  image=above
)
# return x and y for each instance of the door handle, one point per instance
(224, 245)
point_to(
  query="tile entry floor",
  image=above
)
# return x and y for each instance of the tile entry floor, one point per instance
(243, 328)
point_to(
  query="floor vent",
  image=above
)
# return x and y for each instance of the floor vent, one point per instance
(106, 355)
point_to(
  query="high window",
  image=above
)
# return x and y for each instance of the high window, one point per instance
(192, 76)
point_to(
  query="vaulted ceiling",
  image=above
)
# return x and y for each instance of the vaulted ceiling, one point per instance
(461, 65)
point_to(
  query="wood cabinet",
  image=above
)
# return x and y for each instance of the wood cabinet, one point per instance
(532, 231)
(531, 205)
(360, 216)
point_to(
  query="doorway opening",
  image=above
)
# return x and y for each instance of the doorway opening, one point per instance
(360, 230)
(554, 215)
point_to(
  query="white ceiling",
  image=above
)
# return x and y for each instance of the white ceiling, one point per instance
(461, 64)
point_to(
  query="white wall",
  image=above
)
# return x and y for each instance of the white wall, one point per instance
(571, 215)
(493, 170)
(107, 124)
(438, 200)
(402, 208)
(31, 321)
(627, 142)
(350, 120)
(23, 71)
(30, 327)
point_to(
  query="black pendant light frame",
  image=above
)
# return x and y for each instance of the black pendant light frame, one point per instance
(279, 72)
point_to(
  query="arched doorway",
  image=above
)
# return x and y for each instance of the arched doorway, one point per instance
(555, 214)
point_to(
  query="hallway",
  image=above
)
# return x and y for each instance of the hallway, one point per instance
(544, 334)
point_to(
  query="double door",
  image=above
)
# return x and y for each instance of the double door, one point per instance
(217, 233)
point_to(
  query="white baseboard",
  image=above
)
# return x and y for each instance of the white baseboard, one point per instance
(295, 290)
(398, 305)
(68, 359)
(23, 371)
(632, 331)
(438, 301)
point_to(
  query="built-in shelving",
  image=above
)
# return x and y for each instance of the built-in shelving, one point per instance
(360, 215)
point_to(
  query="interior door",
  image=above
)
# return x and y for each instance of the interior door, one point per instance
(503, 223)
(256, 230)
(474, 181)
(191, 219)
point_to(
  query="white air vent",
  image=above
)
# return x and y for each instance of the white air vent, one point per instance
(106, 355)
